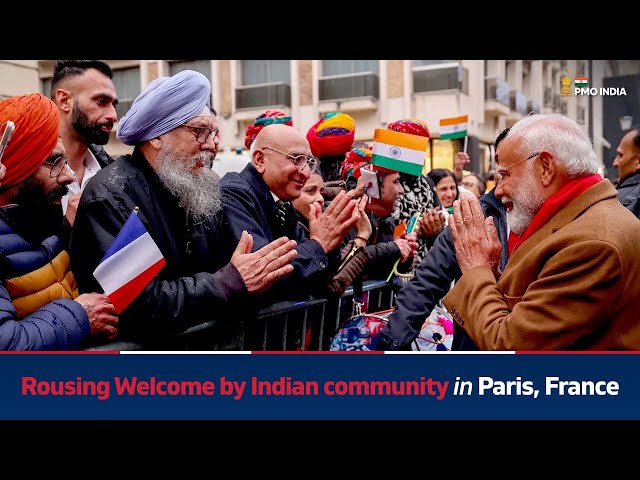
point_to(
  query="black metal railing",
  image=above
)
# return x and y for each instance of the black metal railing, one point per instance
(283, 326)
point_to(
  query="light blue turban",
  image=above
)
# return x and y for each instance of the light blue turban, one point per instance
(165, 104)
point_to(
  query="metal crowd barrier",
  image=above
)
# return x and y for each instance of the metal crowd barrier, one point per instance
(283, 326)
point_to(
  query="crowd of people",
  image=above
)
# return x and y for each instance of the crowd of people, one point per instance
(540, 257)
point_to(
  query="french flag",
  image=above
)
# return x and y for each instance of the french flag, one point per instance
(131, 262)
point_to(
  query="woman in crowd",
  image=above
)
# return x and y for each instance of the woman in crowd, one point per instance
(446, 186)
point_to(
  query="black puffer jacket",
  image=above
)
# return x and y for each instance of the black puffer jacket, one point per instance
(197, 283)
(432, 281)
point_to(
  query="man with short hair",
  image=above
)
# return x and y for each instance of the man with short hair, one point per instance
(169, 178)
(573, 279)
(258, 200)
(40, 308)
(86, 98)
(627, 162)
(381, 245)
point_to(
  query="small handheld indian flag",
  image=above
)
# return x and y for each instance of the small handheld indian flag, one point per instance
(399, 151)
(581, 82)
(452, 128)
(130, 263)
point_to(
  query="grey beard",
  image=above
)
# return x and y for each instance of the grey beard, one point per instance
(198, 193)
(527, 200)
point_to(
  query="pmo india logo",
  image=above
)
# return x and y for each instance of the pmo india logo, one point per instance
(581, 87)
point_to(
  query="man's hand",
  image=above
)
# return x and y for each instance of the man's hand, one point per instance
(260, 269)
(459, 161)
(102, 315)
(408, 245)
(72, 207)
(431, 223)
(361, 186)
(475, 238)
(330, 227)
(363, 224)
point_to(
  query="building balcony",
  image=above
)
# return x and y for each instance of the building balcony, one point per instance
(444, 77)
(277, 94)
(496, 97)
(338, 88)
(533, 106)
(518, 102)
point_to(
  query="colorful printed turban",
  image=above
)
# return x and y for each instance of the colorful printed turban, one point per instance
(35, 136)
(165, 104)
(413, 126)
(267, 118)
(333, 134)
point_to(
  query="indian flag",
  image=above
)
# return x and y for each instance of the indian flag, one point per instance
(581, 82)
(451, 128)
(399, 151)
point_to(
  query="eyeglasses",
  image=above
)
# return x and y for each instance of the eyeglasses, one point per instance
(470, 184)
(300, 161)
(57, 166)
(499, 175)
(202, 133)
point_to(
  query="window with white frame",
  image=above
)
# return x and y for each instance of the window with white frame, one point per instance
(127, 83)
(264, 84)
(256, 72)
(202, 66)
(349, 79)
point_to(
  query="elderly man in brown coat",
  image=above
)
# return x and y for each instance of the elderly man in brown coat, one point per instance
(573, 279)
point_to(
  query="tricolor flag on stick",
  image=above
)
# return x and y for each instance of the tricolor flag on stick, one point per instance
(130, 263)
(452, 128)
(581, 82)
(399, 151)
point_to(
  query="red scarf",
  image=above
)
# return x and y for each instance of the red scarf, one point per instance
(555, 202)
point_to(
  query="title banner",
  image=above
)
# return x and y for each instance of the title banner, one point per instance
(319, 386)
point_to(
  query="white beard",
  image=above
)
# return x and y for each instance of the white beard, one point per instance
(527, 201)
(198, 192)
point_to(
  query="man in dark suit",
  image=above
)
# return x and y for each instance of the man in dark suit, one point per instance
(258, 200)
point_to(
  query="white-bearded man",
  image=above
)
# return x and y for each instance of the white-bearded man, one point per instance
(169, 178)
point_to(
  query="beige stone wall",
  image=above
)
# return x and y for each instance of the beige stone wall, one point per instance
(395, 83)
(306, 82)
(224, 67)
(18, 77)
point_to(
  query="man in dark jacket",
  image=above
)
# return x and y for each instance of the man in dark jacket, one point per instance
(432, 280)
(169, 178)
(40, 308)
(627, 162)
(86, 98)
(258, 200)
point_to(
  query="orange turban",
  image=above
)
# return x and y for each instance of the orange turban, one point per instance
(35, 136)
